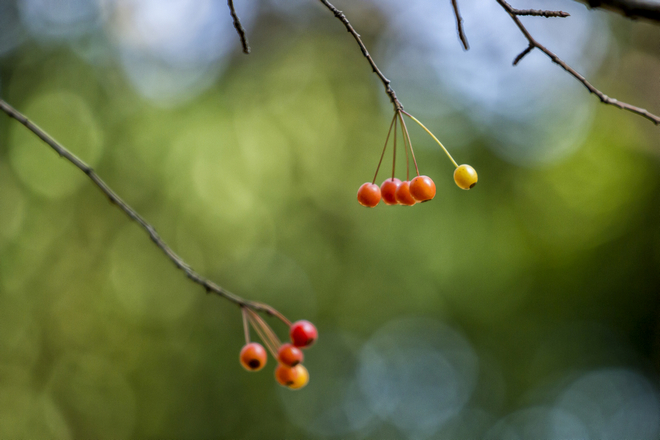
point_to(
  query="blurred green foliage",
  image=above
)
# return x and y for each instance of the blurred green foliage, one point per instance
(254, 183)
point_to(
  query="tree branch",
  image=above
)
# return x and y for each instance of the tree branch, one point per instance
(239, 27)
(540, 13)
(603, 97)
(386, 82)
(133, 215)
(647, 9)
(459, 25)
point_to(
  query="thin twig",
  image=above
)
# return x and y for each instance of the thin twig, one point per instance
(133, 215)
(239, 27)
(603, 97)
(386, 82)
(522, 54)
(540, 13)
(459, 25)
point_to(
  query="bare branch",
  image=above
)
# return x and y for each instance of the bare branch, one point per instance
(208, 285)
(522, 54)
(459, 25)
(603, 97)
(647, 9)
(540, 13)
(239, 27)
(386, 82)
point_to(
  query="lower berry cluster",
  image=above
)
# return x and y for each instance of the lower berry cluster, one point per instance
(290, 371)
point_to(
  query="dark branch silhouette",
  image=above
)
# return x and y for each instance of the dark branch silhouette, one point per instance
(648, 9)
(239, 27)
(386, 82)
(533, 44)
(459, 25)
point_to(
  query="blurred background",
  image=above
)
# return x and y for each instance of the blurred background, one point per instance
(526, 308)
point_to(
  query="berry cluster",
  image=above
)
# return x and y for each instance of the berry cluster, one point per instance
(409, 192)
(290, 371)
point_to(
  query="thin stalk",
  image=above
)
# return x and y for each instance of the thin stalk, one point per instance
(432, 135)
(270, 334)
(263, 335)
(405, 149)
(407, 136)
(275, 313)
(246, 325)
(394, 149)
(384, 148)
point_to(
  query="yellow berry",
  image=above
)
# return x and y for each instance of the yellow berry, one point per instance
(465, 177)
(301, 378)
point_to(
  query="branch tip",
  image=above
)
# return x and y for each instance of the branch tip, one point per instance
(459, 25)
(239, 27)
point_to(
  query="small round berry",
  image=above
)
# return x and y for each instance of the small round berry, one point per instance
(287, 376)
(303, 334)
(368, 195)
(403, 195)
(465, 177)
(253, 356)
(301, 379)
(290, 355)
(422, 188)
(388, 191)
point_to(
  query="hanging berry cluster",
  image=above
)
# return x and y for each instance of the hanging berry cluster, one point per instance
(409, 192)
(290, 371)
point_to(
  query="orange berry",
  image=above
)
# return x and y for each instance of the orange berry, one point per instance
(403, 195)
(290, 355)
(253, 356)
(422, 188)
(301, 379)
(287, 376)
(303, 334)
(368, 195)
(465, 177)
(388, 191)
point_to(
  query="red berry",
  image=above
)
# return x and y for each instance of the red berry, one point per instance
(422, 188)
(403, 195)
(253, 357)
(286, 375)
(388, 191)
(290, 355)
(303, 334)
(368, 195)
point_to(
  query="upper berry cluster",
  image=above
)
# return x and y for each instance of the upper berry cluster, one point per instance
(409, 192)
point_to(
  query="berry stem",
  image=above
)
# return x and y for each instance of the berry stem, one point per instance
(407, 136)
(384, 148)
(432, 135)
(394, 148)
(275, 313)
(246, 325)
(265, 333)
(405, 149)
